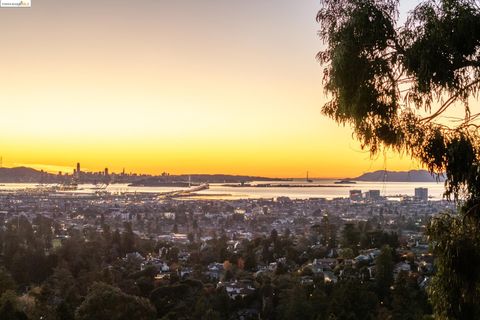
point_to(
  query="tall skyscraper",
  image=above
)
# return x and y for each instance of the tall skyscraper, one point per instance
(76, 173)
(356, 195)
(372, 195)
(421, 194)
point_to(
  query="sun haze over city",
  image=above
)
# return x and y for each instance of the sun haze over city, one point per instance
(178, 86)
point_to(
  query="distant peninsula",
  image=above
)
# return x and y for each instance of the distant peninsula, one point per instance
(400, 176)
(196, 179)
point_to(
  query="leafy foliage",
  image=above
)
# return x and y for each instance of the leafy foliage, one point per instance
(384, 272)
(382, 78)
(107, 302)
(393, 84)
(408, 303)
(456, 287)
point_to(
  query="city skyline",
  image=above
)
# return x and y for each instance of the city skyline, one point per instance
(71, 170)
(184, 87)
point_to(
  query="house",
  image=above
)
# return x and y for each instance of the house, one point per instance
(180, 238)
(399, 267)
(160, 266)
(185, 272)
(237, 288)
(215, 270)
(183, 256)
(319, 267)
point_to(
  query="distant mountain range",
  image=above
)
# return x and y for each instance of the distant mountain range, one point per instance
(400, 176)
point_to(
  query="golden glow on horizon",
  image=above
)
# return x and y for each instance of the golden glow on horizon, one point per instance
(182, 87)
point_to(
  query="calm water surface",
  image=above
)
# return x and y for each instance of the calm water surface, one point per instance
(328, 189)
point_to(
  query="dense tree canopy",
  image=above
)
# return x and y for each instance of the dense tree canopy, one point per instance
(107, 302)
(397, 84)
(88, 276)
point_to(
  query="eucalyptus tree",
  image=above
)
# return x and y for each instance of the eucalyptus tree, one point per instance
(412, 85)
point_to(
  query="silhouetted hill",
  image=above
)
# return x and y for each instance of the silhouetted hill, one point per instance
(400, 176)
(21, 174)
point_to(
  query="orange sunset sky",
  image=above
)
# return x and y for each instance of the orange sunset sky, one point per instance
(179, 86)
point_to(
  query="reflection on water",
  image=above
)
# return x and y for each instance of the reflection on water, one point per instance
(328, 189)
